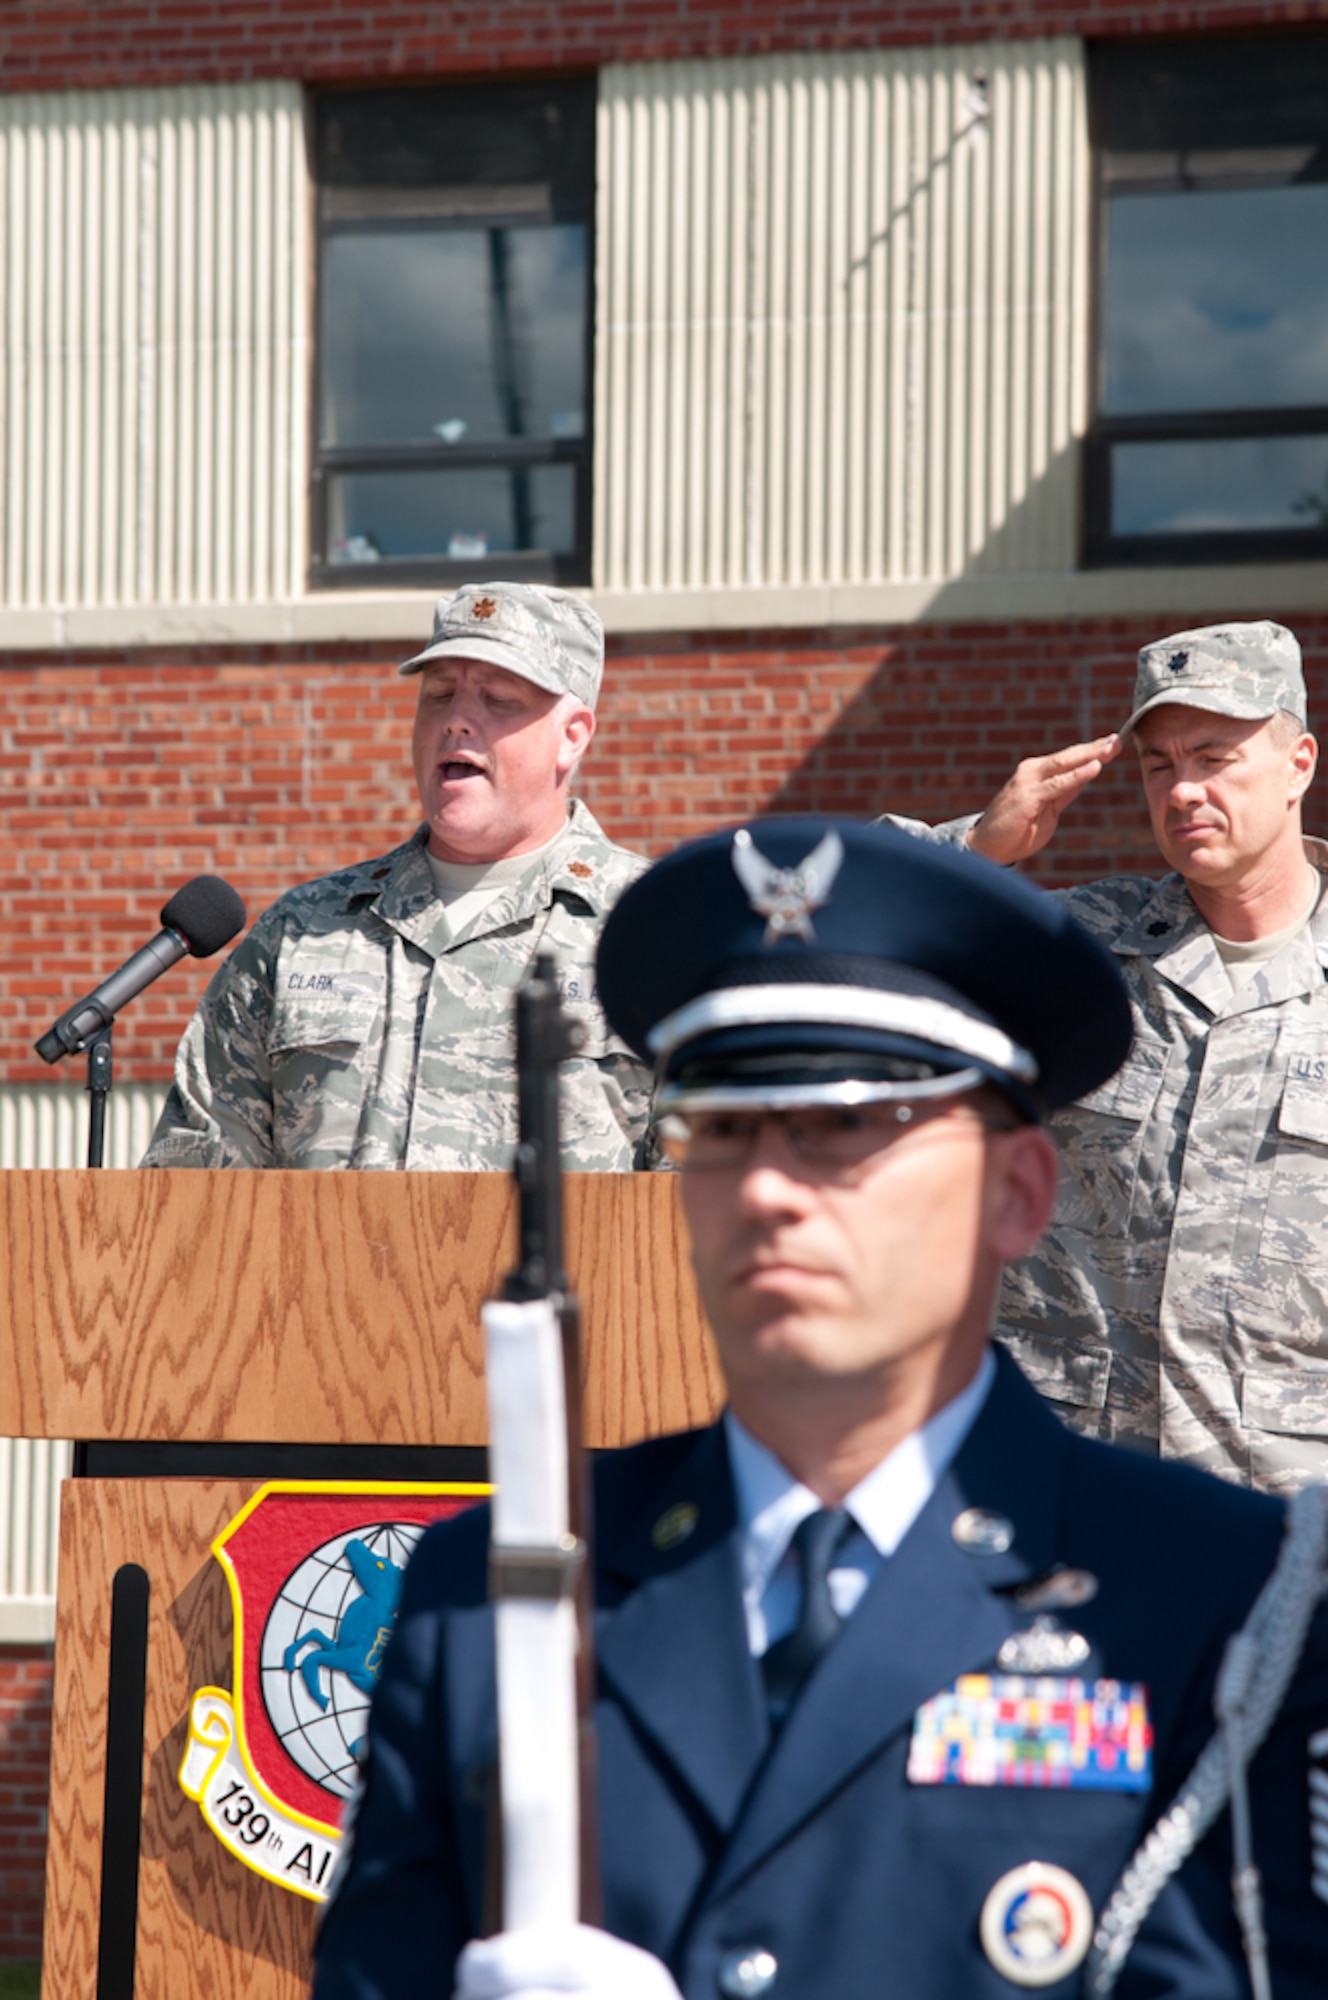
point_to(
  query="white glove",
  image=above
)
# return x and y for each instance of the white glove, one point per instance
(540, 1963)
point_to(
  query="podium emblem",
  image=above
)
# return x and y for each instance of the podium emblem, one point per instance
(315, 1572)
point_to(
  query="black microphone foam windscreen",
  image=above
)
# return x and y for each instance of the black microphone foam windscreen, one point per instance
(207, 912)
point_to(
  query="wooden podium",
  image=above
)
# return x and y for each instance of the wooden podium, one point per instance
(234, 1324)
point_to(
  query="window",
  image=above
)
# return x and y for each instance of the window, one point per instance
(454, 315)
(1210, 441)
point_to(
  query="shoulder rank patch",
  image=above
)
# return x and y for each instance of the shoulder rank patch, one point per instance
(1040, 1731)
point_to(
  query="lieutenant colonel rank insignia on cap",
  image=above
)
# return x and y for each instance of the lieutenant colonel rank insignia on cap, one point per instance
(786, 897)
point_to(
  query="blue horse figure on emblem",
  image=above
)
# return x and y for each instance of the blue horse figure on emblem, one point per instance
(363, 1629)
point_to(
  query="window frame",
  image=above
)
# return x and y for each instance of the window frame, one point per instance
(446, 572)
(1102, 547)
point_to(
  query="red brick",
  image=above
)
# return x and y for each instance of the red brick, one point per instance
(99, 46)
(25, 1731)
(127, 774)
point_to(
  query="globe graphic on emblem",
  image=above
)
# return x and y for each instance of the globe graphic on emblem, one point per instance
(305, 1625)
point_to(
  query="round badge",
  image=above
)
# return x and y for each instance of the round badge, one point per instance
(1036, 1924)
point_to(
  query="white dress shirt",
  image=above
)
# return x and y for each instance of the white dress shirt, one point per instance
(884, 1506)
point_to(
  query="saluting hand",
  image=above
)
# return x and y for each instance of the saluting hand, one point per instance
(1026, 811)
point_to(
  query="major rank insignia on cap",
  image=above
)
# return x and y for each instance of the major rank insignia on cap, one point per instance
(1036, 1924)
(1042, 1731)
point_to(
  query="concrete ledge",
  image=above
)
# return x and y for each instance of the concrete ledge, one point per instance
(1273, 589)
(402, 618)
(27, 1621)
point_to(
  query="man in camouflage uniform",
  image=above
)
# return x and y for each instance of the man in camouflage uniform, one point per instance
(366, 1020)
(1179, 1302)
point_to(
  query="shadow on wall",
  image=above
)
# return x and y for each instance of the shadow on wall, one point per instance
(942, 723)
(703, 730)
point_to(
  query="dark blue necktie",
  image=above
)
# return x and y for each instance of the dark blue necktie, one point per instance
(787, 1664)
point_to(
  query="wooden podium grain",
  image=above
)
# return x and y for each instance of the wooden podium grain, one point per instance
(282, 1309)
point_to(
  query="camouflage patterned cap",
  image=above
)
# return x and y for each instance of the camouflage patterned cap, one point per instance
(1249, 671)
(546, 636)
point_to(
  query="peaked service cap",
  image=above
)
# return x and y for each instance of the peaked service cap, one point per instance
(763, 961)
(547, 636)
(1248, 671)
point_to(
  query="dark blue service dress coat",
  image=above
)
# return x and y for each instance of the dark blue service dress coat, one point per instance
(817, 1847)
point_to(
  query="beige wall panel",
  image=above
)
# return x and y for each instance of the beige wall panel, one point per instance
(153, 374)
(843, 307)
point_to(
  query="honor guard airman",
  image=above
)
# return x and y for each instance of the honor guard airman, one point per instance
(903, 1687)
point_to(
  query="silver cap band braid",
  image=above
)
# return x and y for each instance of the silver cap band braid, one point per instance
(922, 1019)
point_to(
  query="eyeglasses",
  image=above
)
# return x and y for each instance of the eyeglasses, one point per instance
(834, 1136)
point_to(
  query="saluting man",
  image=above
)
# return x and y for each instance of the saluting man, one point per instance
(1179, 1300)
(366, 1020)
(895, 1672)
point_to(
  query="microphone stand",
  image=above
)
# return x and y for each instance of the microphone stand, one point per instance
(99, 1082)
(197, 920)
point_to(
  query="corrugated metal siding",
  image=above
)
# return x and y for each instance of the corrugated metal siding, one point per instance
(842, 316)
(841, 328)
(31, 1470)
(47, 1126)
(154, 260)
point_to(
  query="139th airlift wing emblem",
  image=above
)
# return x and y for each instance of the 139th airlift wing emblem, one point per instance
(315, 1573)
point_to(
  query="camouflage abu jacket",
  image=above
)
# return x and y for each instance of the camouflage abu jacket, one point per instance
(1179, 1301)
(349, 1030)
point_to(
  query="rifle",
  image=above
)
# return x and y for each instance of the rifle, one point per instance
(540, 1579)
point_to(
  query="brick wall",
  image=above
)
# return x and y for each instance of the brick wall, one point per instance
(25, 1741)
(123, 778)
(45, 45)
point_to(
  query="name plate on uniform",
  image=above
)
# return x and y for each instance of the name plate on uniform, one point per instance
(1039, 1731)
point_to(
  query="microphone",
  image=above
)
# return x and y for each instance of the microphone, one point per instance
(198, 920)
